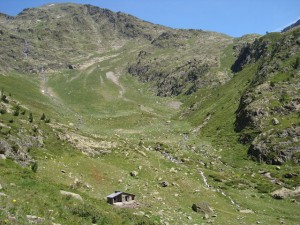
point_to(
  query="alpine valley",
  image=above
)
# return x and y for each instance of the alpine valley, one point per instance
(201, 127)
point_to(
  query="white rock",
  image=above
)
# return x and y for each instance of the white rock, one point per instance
(134, 173)
(2, 194)
(275, 121)
(247, 211)
(34, 219)
(71, 195)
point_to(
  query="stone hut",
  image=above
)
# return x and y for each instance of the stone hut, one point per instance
(120, 198)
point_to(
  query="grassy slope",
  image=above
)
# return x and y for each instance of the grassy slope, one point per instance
(104, 113)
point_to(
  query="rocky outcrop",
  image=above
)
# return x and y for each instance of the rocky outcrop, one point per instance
(88, 145)
(249, 53)
(185, 78)
(277, 147)
(17, 148)
(286, 193)
(269, 109)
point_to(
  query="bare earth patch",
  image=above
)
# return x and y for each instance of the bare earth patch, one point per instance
(175, 104)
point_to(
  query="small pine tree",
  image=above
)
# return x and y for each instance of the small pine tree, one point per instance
(2, 111)
(34, 167)
(30, 118)
(4, 98)
(297, 63)
(43, 117)
(17, 110)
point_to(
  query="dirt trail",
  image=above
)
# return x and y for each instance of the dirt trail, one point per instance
(115, 79)
(92, 61)
(89, 63)
(45, 89)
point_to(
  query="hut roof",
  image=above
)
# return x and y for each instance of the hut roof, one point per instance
(114, 194)
(118, 193)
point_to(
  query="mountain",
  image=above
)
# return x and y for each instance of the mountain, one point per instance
(35, 38)
(294, 25)
(201, 127)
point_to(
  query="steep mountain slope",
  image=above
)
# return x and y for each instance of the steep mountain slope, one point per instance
(294, 25)
(182, 61)
(268, 114)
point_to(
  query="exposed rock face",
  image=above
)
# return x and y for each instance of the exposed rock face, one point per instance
(250, 53)
(90, 146)
(187, 70)
(172, 82)
(16, 148)
(268, 113)
(286, 193)
(286, 147)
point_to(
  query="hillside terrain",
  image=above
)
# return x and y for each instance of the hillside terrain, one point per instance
(203, 128)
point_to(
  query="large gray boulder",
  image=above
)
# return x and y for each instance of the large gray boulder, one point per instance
(286, 193)
(203, 208)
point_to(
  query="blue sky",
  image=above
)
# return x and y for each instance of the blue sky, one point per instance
(232, 17)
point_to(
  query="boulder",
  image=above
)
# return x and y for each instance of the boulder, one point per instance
(275, 121)
(173, 170)
(246, 211)
(4, 147)
(71, 195)
(164, 184)
(71, 67)
(134, 173)
(286, 193)
(203, 208)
